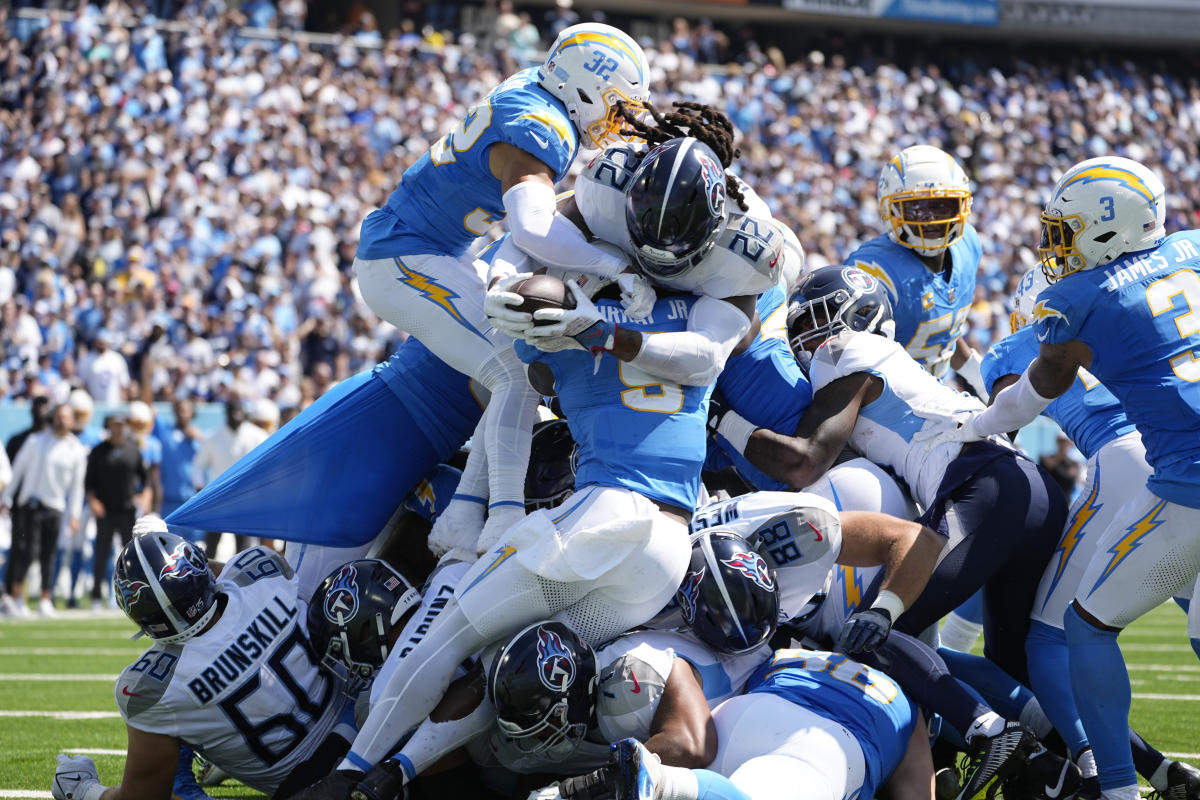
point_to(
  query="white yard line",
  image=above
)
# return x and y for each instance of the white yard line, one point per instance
(62, 714)
(1157, 696)
(20, 676)
(1163, 667)
(24, 793)
(1191, 756)
(68, 651)
(93, 751)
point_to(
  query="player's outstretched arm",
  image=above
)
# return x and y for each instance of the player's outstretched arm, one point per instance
(908, 551)
(150, 766)
(800, 459)
(682, 733)
(1049, 376)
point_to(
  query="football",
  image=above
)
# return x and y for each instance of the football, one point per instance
(543, 291)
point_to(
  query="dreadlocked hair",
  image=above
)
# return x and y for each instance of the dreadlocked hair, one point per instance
(697, 120)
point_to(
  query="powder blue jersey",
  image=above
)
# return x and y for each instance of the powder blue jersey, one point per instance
(634, 430)
(1088, 412)
(766, 386)
(1140, 315)
(450, 196)
(865, 701)
(929, 309)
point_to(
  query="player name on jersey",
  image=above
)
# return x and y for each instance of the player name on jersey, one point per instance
(1150, 263)
(243, 651)
(675, 309)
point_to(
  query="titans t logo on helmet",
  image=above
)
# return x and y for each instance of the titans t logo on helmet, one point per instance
(556, 668)
(182, 562)
(687, 594)
(859, 279)
(753, 567)
(341, 601)
(130, 591)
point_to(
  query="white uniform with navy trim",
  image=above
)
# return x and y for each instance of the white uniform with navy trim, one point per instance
(749, 257)
(912, 401)
(633, 672)
(247, 693)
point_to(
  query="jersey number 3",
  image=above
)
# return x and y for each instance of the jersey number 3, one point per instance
(1161, 296)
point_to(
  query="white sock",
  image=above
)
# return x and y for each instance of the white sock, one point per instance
(1035, 719)
(508, 427)
(1087, 765)
(989, 724)
(1122, 793)
(1159, 779)
(959, 634)
(677, 783)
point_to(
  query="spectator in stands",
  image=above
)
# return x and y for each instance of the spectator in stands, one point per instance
(106, 372)
(141, 430)
(180, 443)
(48, 485)
(220, 451)
(116, 475)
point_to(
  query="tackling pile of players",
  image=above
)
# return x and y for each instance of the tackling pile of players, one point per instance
(598, 624)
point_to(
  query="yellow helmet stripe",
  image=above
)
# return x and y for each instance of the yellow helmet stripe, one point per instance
(1104, 172)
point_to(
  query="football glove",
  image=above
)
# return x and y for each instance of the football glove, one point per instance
(457, 527)
(76, 779)
(864, 631)
(583, 323)
(957, 427)
(637, 295)
(499, 304)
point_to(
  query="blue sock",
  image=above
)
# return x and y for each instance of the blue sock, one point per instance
(1146, 759)
(972, 609)
(1050, 674)
(1000, 690)
(714, 786)
(1103, 696)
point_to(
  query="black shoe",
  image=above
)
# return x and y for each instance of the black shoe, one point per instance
(1183, 783)
(385, 781)
(945, 784)
(997, 758)
(1089, 789)
(334, 786)
(1045, 776)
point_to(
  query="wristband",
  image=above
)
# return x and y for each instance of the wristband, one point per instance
(737, 430)
(93, 791)
(890, 602)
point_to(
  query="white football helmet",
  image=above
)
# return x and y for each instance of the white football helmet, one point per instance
(592, 69)
(925, 199)
(1024, 299)
(1100, 210)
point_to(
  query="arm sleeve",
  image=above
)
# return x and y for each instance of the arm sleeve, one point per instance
(508, 259)
(695, 357)
(1015, 407)
(547, 236)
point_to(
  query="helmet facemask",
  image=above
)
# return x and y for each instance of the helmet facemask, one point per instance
(1057, 251)
(606, 130)
(554, 736)
(928, 220)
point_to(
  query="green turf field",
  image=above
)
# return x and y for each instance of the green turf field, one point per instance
(68, 665)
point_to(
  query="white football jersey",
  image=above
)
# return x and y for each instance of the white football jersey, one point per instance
(747, 259)
(799, 534)
(247, 693)
(912, 401)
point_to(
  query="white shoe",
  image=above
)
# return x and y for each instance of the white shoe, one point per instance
(498, 523)
(97, 605)
(20, 609)
(46, 607)
(8, 608)
(457, 527)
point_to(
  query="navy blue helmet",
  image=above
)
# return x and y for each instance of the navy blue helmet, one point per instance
(832, 299)
(551, 474)
(729, 597)
(543, 686)
(675, 207)
(164, 585)
(352, 613)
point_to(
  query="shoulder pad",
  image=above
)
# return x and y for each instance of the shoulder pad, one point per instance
(254, 564)
(143, 683)
(600, 194)
(805, 532)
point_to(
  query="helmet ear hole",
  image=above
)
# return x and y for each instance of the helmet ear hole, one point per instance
(584, 96)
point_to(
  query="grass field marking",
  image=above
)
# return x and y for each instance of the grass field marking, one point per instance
(93, 751)
(114, 634)
(1189, 756)
(1155, 696)
(1164, 667)
(20, 676)
(24, 793)
(68, 651)
(1182, 647)
(63, 714)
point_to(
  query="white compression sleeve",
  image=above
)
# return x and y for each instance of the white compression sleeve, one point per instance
(971, 374)
(508, 260)
(695, 357)
(549, 237)
(1016, 406)
(433, 740)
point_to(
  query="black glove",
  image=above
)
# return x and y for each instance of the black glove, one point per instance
(864, 631)
(717, 409)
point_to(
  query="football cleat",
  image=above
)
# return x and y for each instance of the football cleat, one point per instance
(185, 787)
(1183, 783)
(1046, 776)
(632, 773)
(999, 757)
(334, 786)
(945, 784)
(385, 781)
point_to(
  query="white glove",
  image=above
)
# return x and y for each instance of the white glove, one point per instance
(151, 523)
(553, 344)
(637, 295)
(956, 427)
(499, 521)
(498, 305)
(76, 779)
(458, 526)
(565, 321)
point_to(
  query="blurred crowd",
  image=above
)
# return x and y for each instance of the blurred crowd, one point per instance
(179, 204)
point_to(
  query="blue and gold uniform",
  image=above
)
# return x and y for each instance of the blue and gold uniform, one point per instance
(866, 702)
(634, 431)
(930, 310)
(1140, 315)
(1087, 412)
(449, 197)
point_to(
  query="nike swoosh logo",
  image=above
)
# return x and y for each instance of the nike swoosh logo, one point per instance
(1053, 791)
(541, 142)
(125, 691)
(637, 687)
(1041, 337)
